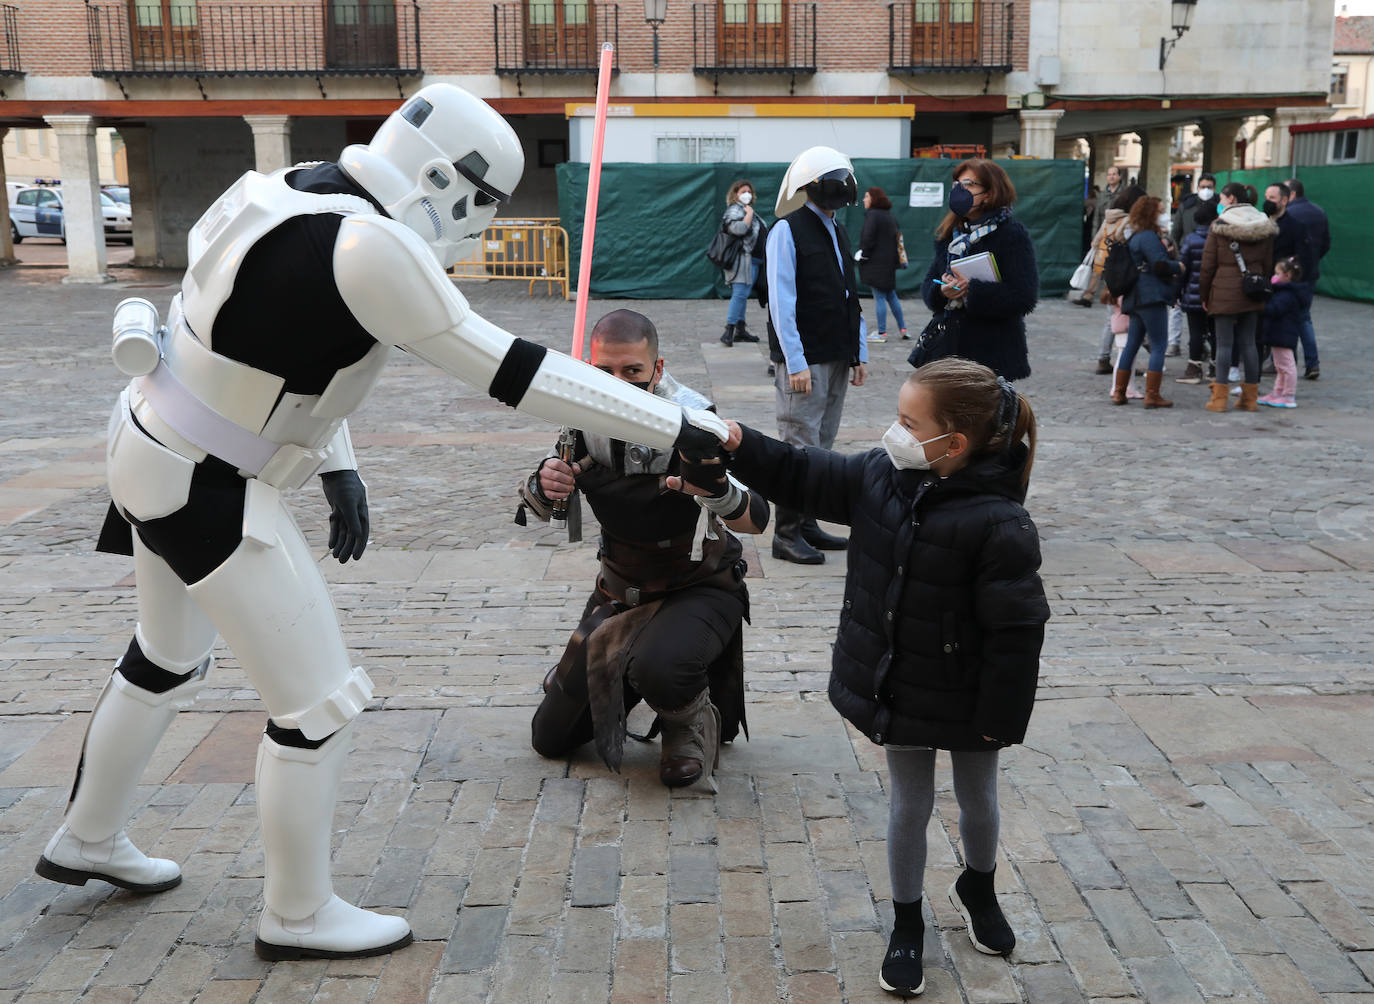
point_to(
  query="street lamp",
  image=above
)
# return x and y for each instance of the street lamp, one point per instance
(1181, 12)
(655, 13)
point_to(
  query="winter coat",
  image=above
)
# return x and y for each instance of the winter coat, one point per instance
(1317, 230)
(1283, 314)
(1147, 251)
(1253, 233)
(733, 222)
(1112, 226)
(1190, 254)
(1183, 217)
(944, 612)
(991, 327)
(878, 243)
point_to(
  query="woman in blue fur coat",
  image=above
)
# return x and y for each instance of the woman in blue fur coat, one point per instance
(979, 319)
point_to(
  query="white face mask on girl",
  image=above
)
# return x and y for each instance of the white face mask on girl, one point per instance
(745, 198)
(906, 451)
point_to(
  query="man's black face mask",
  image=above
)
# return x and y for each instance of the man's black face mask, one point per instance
(833, 190)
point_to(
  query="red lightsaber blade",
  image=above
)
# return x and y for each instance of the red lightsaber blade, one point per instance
(584, 270)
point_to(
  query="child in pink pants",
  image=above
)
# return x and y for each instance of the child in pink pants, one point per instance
(1283, 315)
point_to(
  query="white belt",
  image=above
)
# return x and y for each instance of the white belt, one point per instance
(285, 466)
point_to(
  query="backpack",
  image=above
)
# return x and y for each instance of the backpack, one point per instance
(1119, 270)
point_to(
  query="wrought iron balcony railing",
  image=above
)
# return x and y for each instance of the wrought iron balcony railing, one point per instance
(949, 36)
(542, 36)
(767, 36)
(9, 41)
(209, 38)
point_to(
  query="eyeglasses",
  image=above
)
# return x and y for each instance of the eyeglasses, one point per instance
(969, 184)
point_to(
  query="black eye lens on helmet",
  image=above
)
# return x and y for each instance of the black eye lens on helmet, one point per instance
(460, 208)
(482, 199)
(417, 111)
(437, 178)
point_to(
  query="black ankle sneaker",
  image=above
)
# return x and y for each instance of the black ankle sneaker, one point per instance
(973, 896)
(901, 972)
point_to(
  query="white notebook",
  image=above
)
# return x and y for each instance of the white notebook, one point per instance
(977, 266)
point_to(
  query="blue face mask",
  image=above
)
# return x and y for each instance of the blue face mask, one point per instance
(1221, 208)
(960, 201)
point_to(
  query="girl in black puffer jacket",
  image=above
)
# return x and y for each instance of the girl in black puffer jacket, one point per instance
(944, 614)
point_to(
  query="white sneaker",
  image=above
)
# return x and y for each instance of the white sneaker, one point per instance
(337, 930)
(1235, 375)
(880, 338)
(115, 860)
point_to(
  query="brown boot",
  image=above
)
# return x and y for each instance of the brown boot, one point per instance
(691, 742)
(1220, 393)
(1120, 381)
(1249, 397)
(1153, 398)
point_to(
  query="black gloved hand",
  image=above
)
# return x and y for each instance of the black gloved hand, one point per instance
(347, 497)
(1164, 268)
(706, 473)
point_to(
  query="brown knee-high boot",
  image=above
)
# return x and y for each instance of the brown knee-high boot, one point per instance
(1153, 398)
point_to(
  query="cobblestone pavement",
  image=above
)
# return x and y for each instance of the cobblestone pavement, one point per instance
(1188, 820)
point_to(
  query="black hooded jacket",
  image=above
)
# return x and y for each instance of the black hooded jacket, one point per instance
(944, 612)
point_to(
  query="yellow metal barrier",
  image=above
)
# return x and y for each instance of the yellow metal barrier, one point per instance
(534, 249)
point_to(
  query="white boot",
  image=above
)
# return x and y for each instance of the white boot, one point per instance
(303, 919)
(125, 727)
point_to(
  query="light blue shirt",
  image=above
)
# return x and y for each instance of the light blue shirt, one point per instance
(782, 290)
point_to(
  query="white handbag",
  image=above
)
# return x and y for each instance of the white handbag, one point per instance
(1083, 274)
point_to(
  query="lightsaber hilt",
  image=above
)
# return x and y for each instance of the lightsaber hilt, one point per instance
(567, 443)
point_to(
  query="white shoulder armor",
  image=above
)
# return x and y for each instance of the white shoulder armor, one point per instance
(391, 282)
(251, 208)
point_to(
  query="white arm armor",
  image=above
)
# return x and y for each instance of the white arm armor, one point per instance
(391, 282)
(341, 456)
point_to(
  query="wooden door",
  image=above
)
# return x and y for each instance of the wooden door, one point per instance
(360, 33)
(946, 33)
(560, 33)
(165, 34)
(751, 32)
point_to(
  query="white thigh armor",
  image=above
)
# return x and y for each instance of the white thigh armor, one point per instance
(272, 607)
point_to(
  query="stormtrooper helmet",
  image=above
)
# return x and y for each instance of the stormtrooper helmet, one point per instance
(441, 164)
(822, 173)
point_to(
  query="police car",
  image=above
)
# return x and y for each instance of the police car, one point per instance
(36, 211)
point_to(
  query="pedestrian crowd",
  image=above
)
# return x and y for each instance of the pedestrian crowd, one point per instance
(1237, 272)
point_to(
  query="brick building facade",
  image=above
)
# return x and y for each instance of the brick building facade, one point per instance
(201, 91)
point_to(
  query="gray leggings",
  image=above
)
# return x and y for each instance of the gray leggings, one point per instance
(1236, 345)
(912, 800)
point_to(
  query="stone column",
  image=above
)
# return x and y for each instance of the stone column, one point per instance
(1065, 147)
(6, 238)
(1037, 131)
(271, 141)
(1154, 161)
(1219, 144)
(1104, 146)
(138, 150)
(1283, 140)
(81, 214)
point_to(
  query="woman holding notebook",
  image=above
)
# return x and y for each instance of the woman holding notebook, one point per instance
(983, 280)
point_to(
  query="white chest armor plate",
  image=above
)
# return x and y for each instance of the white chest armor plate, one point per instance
(250, 398)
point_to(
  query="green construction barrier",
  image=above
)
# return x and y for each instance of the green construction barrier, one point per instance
(1347, 272)
(655, 220)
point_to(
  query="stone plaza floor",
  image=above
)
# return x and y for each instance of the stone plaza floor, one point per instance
(1189, 818)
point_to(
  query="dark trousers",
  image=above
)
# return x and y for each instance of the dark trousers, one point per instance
(1202, 337)
(668, 665)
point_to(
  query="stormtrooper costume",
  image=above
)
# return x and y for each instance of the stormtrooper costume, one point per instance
(299, 285)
